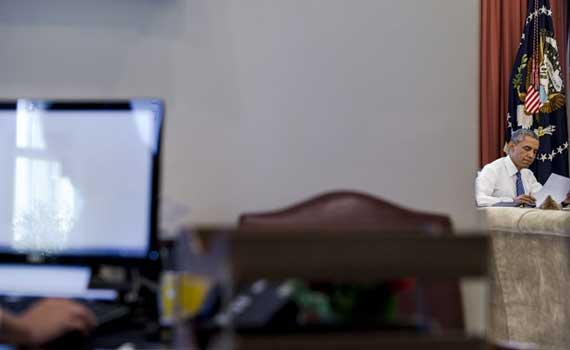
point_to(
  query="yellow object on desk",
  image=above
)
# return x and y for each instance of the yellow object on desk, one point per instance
(193, 291)
(182, 295)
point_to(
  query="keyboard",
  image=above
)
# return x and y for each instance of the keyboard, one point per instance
(105, 312)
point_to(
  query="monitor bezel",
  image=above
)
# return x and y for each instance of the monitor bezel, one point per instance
(152, 256)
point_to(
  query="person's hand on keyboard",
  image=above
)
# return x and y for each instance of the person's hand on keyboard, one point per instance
(45, 321)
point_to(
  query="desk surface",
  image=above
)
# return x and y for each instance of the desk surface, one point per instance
(527, 220)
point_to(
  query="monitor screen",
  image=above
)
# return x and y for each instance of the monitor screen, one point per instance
(79, 178)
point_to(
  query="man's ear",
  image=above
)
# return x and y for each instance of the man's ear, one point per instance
(508, 147)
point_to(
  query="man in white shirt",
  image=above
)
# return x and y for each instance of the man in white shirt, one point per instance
(508, 180)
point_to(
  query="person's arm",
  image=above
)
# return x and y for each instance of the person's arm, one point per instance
(484, 187)
(45, 321)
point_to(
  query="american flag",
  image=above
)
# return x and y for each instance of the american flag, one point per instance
(537, 98)
(532, 102)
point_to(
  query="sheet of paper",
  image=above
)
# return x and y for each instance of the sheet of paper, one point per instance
(556, 186)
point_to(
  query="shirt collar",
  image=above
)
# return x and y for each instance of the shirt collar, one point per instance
(511, 167)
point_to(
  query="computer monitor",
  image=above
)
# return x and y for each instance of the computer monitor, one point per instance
(79, 180)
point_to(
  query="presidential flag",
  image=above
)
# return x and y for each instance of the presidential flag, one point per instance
(537, 98)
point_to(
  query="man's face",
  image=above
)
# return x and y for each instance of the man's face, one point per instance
(524, 152)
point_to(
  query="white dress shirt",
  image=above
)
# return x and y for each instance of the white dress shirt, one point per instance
(497, 183)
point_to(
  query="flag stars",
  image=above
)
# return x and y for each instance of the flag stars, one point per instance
(550, 156)
(536, 13)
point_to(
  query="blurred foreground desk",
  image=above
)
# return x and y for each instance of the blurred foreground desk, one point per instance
(230, 255)
(530, 276)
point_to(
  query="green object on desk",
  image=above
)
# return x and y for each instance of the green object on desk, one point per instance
(345, 303)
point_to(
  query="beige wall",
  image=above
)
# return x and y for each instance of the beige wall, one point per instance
(271, 101)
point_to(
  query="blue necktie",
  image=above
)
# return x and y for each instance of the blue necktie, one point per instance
(520, 187)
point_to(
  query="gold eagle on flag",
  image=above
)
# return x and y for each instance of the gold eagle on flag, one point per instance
(543, 88)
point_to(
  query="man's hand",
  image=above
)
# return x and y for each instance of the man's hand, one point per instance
(525, 199)
(46, 320)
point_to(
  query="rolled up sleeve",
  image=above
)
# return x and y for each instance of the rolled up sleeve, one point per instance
(484, 188)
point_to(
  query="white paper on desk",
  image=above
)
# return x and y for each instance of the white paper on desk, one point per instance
(556, 186)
